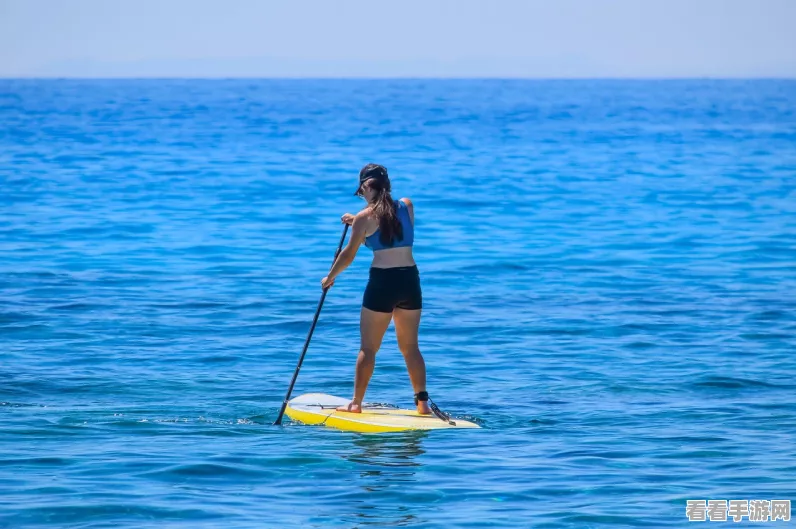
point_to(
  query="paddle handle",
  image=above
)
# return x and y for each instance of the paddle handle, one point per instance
(309, 335)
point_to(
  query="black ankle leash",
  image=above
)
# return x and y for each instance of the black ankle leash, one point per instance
(423, 397)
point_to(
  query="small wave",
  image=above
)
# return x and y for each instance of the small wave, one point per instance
(48, 461)
(206, 470)
(733, 383)
(77, 306)
(14, 317)
(191, 305)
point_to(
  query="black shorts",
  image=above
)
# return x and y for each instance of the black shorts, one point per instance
(389, 288)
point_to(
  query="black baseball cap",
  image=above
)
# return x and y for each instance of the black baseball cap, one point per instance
(371, 170)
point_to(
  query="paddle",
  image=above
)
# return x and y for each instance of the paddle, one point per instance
(309, 336)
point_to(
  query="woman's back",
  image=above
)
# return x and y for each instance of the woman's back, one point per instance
(399, 253)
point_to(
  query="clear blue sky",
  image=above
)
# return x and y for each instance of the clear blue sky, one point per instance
(398, 38)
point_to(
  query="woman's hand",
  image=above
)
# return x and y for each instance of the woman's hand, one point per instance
(348, 218)
(326, 282)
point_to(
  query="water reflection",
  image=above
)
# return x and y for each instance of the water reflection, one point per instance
(389, 450)
(388, 468)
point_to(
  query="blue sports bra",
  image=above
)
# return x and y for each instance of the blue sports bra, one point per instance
(402, 210)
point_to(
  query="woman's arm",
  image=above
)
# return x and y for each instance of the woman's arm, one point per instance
(346, 257)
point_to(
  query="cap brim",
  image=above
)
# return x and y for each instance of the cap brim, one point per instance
(359, 189)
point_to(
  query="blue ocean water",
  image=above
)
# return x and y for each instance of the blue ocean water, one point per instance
(609, 277)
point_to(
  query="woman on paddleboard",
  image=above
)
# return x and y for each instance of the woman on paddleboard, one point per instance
(386, 226)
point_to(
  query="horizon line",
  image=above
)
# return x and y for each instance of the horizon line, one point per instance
(390, 78)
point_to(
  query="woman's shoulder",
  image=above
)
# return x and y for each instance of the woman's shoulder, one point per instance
(410, 208)
(366, 214)
(407, 202)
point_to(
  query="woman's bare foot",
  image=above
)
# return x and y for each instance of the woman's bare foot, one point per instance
(352, 407)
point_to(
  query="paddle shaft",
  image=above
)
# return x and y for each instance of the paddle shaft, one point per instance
(309, 336)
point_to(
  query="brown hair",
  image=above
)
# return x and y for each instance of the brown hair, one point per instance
(383, 205)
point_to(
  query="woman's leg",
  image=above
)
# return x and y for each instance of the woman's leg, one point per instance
(407, 323)
(372, 326)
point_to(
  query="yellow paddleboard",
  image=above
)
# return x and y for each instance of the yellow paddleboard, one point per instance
(319, 408)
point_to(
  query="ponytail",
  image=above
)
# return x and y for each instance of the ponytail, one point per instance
(390, 228)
